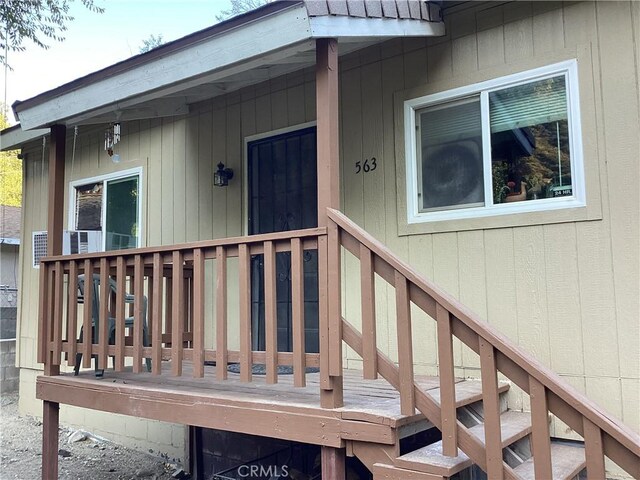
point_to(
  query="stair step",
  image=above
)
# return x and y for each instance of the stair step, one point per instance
(389, 472)
(513, 427)
(429, 459)
(467, 392)
(566, 462)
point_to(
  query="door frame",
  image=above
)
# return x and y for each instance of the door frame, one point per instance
(245, 164)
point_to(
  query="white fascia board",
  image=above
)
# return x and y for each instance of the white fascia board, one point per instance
(268, 34)
(15, 138)
(356, 28)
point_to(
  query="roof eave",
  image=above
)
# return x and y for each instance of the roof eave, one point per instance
(199, 59)
(15, 137)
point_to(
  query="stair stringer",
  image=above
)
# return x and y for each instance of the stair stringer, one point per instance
(371, 453)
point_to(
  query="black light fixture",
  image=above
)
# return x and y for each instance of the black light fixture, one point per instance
(222, 176)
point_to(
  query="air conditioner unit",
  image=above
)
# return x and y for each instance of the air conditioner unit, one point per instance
(38, 247)
(81, 241)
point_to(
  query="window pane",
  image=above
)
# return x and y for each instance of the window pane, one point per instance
(89, 207)
(530, 141)
(451, 156)
(122, 214)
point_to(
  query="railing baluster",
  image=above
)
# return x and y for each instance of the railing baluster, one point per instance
(245, 314)
(491, 409)
(187, 320)
(176, 313)
(593, 450)
(43, 314)
(150, 318)
(271, 315)
(405, 346)
(168, 302)
(104, 314)
(198, 313)
(50, 367)
(138, 313)
(540, 440)
(447, 383)
(335, 301)
(156, 342)
(221, 313)
(297, 311)
(87, 329)
(121, 284)
(57, 313)
(72, 313)
(369, 337)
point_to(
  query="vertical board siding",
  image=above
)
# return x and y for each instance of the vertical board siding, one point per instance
(559, 291)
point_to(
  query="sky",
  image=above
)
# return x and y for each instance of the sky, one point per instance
(94, 41)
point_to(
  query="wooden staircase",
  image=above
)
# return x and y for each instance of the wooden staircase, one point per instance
(477, 433)
(429, 461)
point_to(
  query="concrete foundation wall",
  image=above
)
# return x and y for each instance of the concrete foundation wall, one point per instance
(9, 373)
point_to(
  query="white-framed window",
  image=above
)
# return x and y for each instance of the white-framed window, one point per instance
(507, 145)
(110, 204)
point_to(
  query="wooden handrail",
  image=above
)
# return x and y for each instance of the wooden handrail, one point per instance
(497, 352)
(309, 233)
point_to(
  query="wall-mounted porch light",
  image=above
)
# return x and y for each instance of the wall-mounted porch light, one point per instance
(222, 176)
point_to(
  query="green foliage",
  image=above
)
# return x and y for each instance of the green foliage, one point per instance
(151, 43)
(239, 7)
(10, 172)
(36, 21)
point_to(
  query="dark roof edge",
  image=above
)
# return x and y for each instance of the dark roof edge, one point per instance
(245, 18)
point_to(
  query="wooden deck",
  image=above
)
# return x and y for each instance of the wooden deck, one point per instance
(371, 411)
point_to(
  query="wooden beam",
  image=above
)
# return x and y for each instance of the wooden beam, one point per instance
(327, 127)
(55, 215)
(328, 197)
(50, 421)
(332, 462)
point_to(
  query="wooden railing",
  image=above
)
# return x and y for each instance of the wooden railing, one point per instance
(171, 284)
(603, 436)
(168, 287)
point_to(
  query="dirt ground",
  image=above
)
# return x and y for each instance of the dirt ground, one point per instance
(91, 458)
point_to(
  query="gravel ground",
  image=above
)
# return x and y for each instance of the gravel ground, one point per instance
(91, 458)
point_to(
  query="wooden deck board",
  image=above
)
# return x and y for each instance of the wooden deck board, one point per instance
(372, 407)
(368, 401)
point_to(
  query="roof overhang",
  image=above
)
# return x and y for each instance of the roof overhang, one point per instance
(269, 42)
(14, 137)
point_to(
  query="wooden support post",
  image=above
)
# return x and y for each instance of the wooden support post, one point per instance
(57, 141)
(332, 461)
(50, 420)
(328, 197)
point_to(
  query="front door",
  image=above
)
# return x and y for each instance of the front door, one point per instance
(283, 196)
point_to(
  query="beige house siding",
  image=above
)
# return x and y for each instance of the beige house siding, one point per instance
(564, 288)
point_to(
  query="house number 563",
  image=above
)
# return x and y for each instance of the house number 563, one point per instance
(369, 165)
